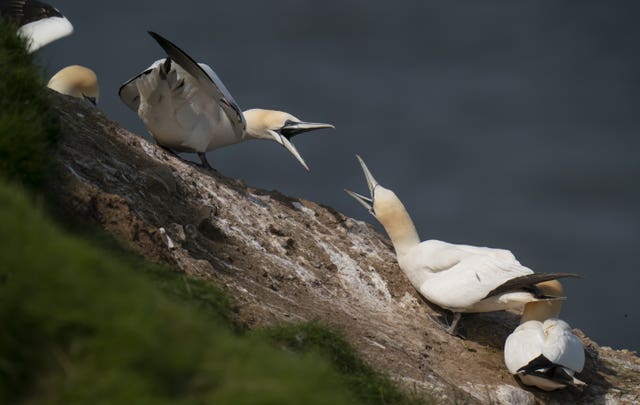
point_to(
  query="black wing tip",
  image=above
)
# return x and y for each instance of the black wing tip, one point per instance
(159, 38)
(536, 364)
(528, 282)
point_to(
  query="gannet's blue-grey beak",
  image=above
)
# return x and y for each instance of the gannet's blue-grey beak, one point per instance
(291, 128)
(371, 182)
(282, 140)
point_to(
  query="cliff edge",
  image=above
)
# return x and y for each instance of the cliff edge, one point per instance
(283, 259)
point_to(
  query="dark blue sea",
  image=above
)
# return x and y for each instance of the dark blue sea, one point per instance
(500, 123)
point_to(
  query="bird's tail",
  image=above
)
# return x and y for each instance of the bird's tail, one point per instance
(147, 86)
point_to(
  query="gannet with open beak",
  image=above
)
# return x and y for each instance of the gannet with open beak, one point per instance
(460, 278)
(543, 351)
(40, 23)
(76, 81)
(187, 108)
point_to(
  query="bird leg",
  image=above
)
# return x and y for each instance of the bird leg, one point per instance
(203, 159)
(454, 324)
(451, 328)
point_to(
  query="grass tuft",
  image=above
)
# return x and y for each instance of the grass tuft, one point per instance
(368, 385)
(80, 324)
(28, 128)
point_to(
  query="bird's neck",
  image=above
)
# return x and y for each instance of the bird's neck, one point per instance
(401, 230)
(543, 310)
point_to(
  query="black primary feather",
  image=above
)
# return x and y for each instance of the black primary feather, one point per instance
(528, 282)
(23, 12)
(544, 368)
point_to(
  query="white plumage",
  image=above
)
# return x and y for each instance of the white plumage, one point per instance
(460, 278)
(187, 108)
(545, 354)
(543, 351)
(38, 22)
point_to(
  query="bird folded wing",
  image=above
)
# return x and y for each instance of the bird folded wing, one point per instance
(470, 280)
(527, 282)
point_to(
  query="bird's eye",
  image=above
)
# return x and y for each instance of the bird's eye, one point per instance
(288, 123)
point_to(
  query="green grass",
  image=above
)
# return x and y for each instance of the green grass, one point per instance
(28, 127)
(368, 385)
(82, 326)
(83, 321)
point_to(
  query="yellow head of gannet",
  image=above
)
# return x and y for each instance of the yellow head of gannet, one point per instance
(278, 126)
(385, 205)
(543, 351)
(76, 81)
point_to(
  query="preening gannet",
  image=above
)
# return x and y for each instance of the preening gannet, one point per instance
(187, 108)
(543, 351)
(38, 22)
(460, 278)
(76, 81)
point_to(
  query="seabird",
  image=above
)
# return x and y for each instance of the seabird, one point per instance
(543, 351)
(38, 22)
(186, 108)
(76, 81)
(460, 278)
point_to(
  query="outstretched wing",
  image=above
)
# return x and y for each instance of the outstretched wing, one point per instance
(210, 82)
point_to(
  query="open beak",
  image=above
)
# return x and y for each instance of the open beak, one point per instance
(292, 129)
(282, 140)
(371, 182)
(365, 201)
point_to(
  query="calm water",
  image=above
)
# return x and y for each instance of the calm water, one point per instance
(499, 123)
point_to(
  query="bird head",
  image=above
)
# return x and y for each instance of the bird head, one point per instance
(76, 81)
(389, 210)
(383, 203)
(280, 127)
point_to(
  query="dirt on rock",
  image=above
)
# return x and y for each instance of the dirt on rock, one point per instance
(283, 259)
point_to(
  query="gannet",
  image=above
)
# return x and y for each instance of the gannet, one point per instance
(460, 278)
(186, 108)
(543, 351)
(76, 81)
(38, 22)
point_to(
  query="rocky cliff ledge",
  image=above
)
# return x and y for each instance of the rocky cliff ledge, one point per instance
(283, 259)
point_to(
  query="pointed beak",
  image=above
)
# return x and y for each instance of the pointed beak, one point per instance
(282, 140)
(365, 201)
(371, 182)
(295, 128)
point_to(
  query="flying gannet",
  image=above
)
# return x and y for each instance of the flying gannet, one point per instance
(76, 81)
(186, 108)
(543, 351)
(460, 278)
(38, 22)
